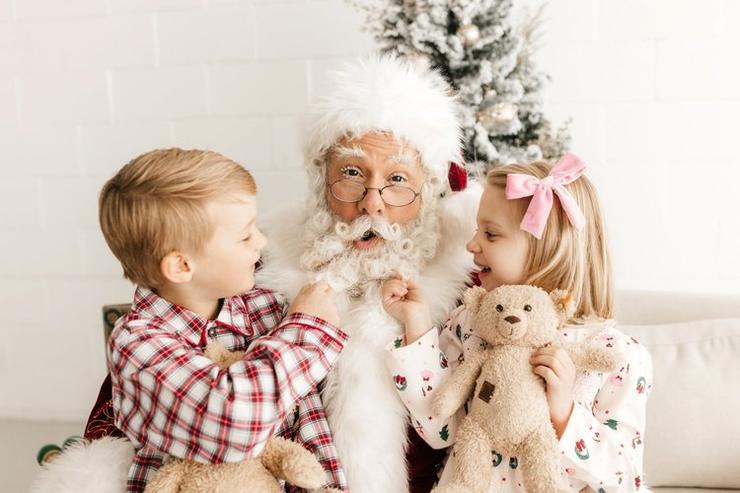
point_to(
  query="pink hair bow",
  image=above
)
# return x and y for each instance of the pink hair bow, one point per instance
(566, 171)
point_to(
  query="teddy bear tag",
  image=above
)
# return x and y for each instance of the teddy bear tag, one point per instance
(486, 391)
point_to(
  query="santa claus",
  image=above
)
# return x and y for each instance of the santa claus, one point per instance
(378, 152)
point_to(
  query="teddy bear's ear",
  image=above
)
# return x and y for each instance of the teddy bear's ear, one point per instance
(564, 303)
(473, 297)
(215, 351)
(218, 353)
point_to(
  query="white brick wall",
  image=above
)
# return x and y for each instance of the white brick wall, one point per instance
(6, 10)
(261, 81)
(87, 84)
(223, 34)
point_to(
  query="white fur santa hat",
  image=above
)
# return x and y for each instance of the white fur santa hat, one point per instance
(386, 93)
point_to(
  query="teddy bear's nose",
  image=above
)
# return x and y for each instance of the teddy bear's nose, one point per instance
(512, 319)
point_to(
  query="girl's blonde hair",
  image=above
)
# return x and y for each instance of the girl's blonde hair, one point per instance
(156, 204)
(566, 258)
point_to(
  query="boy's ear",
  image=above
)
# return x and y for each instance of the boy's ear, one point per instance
(176, 267)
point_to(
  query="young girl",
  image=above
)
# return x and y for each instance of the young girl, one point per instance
(543, 226)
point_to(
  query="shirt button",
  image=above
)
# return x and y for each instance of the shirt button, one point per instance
(212, 332)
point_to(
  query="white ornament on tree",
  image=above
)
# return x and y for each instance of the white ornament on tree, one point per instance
(533, 153)
(469, 33)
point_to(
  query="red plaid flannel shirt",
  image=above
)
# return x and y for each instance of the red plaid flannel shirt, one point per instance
(169, 399)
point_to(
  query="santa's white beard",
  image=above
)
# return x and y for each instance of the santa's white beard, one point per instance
(331, 255)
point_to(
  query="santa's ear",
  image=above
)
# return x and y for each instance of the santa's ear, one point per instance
(564, 303)
(473, 297)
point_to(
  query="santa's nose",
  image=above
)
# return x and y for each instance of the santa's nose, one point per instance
(512, 319)
(372, 203)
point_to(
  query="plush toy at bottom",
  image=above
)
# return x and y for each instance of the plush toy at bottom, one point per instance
(279, 459)
(507, 410)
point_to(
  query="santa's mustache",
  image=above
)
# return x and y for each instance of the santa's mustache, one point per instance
(334, 244)
(364, 225)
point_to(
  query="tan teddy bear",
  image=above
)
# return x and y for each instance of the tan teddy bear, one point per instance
(280, 458)
(508, 410)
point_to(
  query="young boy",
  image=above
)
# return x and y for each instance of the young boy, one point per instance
(183, 225)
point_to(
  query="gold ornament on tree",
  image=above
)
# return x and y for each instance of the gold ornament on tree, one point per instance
(497, 115)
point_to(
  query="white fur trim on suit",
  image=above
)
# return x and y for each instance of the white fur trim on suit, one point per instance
(98, 467)
(367, 418)
(385, 93)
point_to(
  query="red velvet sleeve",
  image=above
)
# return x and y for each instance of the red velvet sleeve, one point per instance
(424, 463)
(100, 423)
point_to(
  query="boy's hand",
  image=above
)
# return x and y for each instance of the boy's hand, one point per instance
(316, 300)
(556, 367)
(403, 301)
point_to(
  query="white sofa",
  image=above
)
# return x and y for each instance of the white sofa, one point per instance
(692, 438)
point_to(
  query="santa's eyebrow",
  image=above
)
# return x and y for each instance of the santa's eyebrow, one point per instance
(353, 151)
(404, 158)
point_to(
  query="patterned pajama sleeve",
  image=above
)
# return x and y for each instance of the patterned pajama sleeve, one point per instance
(420, 368)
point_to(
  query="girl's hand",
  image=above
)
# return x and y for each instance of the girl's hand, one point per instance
(402, 299)
(557, 368)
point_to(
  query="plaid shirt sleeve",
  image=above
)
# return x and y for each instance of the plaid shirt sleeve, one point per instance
(170, 398)
(311, 429)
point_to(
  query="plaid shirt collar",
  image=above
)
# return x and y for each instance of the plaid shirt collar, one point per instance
(185, 323)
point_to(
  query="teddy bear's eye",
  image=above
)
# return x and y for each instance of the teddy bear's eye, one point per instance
(499, 308)
(527, 308)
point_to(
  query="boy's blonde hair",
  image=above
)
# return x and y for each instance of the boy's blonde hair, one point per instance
(155, 205)
(566, 258)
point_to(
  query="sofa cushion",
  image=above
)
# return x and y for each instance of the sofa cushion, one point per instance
(692, 435)
(669, 307)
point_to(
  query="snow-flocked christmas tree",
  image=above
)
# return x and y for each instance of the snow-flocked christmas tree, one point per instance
(489, 63)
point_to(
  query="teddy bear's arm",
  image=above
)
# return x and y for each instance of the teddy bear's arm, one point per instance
(456, 391)
(595, 357)
(289, 460)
